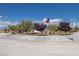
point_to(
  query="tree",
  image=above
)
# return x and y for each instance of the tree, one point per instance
(26, 26)
(23, 26)
(64, 26)
(75, 29)
(12, 28)
(52, 28)
(40, 27)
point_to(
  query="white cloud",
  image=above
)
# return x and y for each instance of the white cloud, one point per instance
(4, 24)
(1, 16)
(74, 24)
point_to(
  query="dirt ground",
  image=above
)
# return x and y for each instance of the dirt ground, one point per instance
(10, 46)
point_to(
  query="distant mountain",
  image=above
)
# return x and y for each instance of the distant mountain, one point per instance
(52, 21)
(55, 21)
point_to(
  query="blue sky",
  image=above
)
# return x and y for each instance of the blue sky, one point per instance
(14, 12)
(17, 12)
